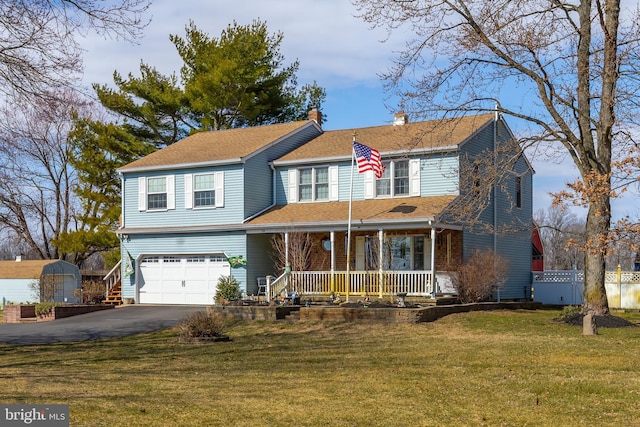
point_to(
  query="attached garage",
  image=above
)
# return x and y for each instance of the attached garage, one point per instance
(180, 279)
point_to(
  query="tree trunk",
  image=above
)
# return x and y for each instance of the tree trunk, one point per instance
(597, 228)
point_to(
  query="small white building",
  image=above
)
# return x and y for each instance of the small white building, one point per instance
(20, 280)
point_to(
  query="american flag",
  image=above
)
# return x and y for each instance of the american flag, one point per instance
(368, 159)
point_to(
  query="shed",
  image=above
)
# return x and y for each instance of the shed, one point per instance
(56, 278)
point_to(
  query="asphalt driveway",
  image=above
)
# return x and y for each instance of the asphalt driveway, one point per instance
(117, 322)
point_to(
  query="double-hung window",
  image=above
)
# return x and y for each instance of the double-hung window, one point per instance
(157, 193)
(313, 184)
(394, 180)
(204, 190)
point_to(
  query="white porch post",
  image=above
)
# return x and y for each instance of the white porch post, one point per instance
(380, 260)
(333, 260)
(286, 248)
(433, 261)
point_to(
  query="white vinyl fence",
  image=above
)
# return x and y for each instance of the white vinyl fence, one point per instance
(564, 287)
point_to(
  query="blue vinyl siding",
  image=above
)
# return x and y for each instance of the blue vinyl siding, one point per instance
(231, 213)
(228, 243)
(514, 246)
(437, 178)
(259, 175)
(259, 262)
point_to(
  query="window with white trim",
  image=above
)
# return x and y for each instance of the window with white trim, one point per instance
(157, 193)
(394, 180)
(313, 184)
(204, 190)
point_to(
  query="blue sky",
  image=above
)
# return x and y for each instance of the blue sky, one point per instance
(335, 49)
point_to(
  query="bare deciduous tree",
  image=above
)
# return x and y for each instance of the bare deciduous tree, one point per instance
(298, 251)
(576, 63)
(38, 48)
(563, 237)
(36, 180)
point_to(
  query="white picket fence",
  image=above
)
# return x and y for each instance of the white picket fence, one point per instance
(564, 287)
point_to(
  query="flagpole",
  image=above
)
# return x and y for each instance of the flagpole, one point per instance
(348, 281)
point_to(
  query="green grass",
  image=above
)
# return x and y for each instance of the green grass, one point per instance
(478, 369)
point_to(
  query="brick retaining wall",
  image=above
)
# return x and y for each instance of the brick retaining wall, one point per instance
(27, 313)
(348, 314)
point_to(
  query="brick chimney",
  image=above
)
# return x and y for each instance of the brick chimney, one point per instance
(315, 115)
(400, 119)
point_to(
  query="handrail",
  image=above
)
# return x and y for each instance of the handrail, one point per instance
(113, 277)
(271, 285)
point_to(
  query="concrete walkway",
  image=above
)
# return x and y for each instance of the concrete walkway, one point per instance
(118, 322)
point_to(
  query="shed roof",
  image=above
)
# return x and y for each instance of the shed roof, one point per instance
(29, 269)
(395, 210)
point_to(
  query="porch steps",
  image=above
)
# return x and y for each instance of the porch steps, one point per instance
(115, 295)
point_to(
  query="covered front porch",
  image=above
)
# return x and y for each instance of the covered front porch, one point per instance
(378, 248)
(386, 263)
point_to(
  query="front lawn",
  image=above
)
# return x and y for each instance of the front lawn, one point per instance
(482, 368)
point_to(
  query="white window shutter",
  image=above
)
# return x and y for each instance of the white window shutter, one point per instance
(333, 184)
(188, 191)
(219, 183)
(171, 192)
(414, 177)
(369, 185)
(142, 193)
(293, 186)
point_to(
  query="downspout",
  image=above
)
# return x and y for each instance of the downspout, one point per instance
(495, 190)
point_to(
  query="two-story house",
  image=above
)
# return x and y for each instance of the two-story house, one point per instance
(191, 207)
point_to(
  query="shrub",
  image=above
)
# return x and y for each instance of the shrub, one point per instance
(570, 311)
(44, 308)
(228, 288)
(476, 279)
(202, 325)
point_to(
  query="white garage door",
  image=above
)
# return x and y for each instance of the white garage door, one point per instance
(180, 279)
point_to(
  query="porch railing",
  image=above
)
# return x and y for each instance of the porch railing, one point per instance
(113, 277)
(413, 283)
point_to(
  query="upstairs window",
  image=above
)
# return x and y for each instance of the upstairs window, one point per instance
(518, 191)
(394, 180)
(204, 190)
(157, 193)
(313, 184)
